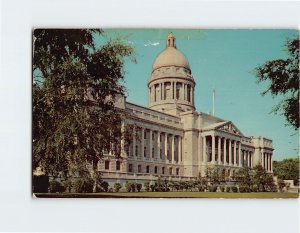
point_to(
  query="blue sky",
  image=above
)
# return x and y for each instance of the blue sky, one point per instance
(224, 60)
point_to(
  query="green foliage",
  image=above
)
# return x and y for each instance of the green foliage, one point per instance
(104, 186)
(117, 187)
(244, 189)
(138, 187)
(128, 186)
(212, 188)
(283, 76)
(227, 189)
(255, 188)
(288, 169)
(56, 187)
(75, 85)
(147, 186)
(84, 185)
(281, 184)
(234, 189)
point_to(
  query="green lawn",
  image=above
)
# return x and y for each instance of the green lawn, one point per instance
(170, 195)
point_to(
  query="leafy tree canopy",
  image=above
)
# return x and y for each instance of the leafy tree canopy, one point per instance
(75, 85)
(283, 76)
(287, 169)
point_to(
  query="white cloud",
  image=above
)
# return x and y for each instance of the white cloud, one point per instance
(149, 43)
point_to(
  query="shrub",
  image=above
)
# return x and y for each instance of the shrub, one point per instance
(234, 189)
(147, 186)
(244, 189)
(222, 188)
(84, 186)
(56, 187)
(133, 187)
(227, 189)
(104, 186)
(138, 187)
(128, 186)
(254, 188)
(117, 187)
(212, 188)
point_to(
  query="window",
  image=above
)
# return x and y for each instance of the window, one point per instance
(118, 165)
(153, 152)
(163, 170)
(177, 171)
(155, 170)
(130, 168)
(136, 150)
(152, 136)
(145, 151)
(148, 169)
(139, 168)
(145, 134)
(106, 165)
(160, 153)
(170, 171)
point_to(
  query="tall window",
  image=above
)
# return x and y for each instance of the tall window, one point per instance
(148, 169)
(130, 167)
(155, 169)
(106, 165)
(145, 134)
(170, 171)
(118, 165)
(163, 170)
(177, 171)
(136, 150)
(140, 168)
(145, 151)
(152, 152)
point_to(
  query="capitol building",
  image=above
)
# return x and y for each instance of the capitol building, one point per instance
(174, 140)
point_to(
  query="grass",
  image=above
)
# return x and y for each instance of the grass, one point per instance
(260, 195)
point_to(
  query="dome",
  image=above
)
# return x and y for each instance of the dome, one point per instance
(171, 56)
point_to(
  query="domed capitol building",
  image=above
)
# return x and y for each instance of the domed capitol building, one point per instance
(174, 140)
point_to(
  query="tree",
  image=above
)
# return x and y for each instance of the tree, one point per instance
(288, 169)
(283, 75)
(75, 86)
(262, 179)
(244, 177)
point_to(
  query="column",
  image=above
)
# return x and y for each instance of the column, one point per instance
(225, 152)
(265, 157)
(134, 141)
(234, 153)
(175, 88)
(172, 90)
(240, 154)
(123, 152)
(160, 91)
(204, 150)
(172, 149)
(249, 157)
(230, 152)
(192, 95)
(271, 163)
(150, 143)
(179, 149)
(158, 145)
(219, 150)
(142, 142)
(185, 91)
(163, 91)
(213, 149)
(166, 146)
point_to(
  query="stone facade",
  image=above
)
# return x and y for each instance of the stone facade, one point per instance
(174, 141)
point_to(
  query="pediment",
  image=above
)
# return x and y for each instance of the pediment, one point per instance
(230, 127)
